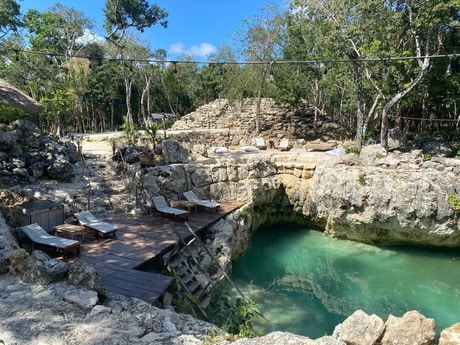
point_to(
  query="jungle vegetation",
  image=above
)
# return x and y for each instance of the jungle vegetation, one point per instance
(368, 65)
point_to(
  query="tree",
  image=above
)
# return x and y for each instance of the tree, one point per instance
(10, 17)
(368, 29)
(121, 15)
(261, 44)
(59, 32)
(425, 26)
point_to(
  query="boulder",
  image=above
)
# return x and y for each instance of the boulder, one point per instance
(397, 139)
(16, 151)
(39, 268)
(16, 259)
(131, 155)
(7, 139)
(83, 274)
(84, 299)
(450, 336)
(361, 329)
(26, 126)
(436, 147)
(174, 152)
(60, 170)
(8, 244)
(411, 329)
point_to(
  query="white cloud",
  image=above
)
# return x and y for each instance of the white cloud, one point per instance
(89, 37)
(203, 50)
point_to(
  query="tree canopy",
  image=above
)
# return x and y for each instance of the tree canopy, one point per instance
(367, 65)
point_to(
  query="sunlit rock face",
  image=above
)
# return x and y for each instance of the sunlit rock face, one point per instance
(407, 202)
(399, 198)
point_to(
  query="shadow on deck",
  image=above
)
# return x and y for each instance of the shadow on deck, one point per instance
(142, 239)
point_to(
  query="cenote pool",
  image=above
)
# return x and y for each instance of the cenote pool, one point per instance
(306, 283)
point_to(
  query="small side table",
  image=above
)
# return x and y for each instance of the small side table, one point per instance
(70, 230)
(184, 204)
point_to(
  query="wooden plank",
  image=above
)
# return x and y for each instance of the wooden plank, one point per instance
(141, 238)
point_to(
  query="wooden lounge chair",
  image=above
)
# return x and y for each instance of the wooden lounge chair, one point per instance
(38, 236)
(90, 222)
(207, 204)
(162, 207)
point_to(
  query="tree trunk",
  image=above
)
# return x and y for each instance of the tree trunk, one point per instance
(424, 69)
(129, 112)
(356, 68)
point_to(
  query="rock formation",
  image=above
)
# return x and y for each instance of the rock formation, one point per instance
(26, 155)
(374, 197)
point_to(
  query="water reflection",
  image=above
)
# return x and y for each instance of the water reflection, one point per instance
(307, 283)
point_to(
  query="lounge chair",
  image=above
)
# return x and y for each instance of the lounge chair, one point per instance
(38, 236)
(260, 143)
(90, 222)
(284, 145)
(162, 207)
(207, 204)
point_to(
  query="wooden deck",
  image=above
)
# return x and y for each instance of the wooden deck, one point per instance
(140, 240)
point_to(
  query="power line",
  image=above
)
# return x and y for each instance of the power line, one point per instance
(272, 62)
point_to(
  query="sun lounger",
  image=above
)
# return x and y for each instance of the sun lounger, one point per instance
(284, 145)
(38, 236)
(162, 207)
(260, 143)
(90, 222)
(208, 204)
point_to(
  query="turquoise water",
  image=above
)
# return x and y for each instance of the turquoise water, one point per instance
(306, 283)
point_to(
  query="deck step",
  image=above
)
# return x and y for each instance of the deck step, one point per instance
(205, 302)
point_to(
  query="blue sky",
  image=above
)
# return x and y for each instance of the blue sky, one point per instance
(196, 27)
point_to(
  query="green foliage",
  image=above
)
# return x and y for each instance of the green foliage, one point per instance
(352, 148)
(152, 131)
(454, 201)
(235, 317)
(362, 178)
(10, 17)
(8, 114)
(426, 157)
(313, 34)
(120, 15)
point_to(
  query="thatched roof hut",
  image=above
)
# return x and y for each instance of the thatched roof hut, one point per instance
(17, 99)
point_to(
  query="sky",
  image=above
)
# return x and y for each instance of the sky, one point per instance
(195, 27)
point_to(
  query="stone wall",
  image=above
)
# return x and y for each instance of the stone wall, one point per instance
(224, 123)
(373, 198)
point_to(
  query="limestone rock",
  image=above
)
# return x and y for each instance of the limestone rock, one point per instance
(174, 152)
(17, 259)
(26, 126)
(8, 244)
(361, 329)
(84, 299)
(280, 338)
(83, 274)
(131, 155)
(39, 268)
(386, 205)
(396, 139)
(411, 329)
(450, 336)
(289, 339)
(60, 170)
(435, 147)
